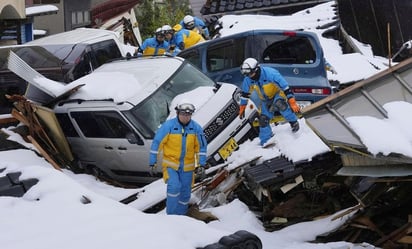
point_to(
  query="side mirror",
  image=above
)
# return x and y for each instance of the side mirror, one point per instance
(133, 139)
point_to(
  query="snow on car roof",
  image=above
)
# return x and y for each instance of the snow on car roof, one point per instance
(126, 80)
(80, 35)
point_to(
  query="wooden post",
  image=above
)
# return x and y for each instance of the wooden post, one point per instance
(389, 44)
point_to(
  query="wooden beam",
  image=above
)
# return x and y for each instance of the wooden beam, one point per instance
(44, 153)
(8, 120)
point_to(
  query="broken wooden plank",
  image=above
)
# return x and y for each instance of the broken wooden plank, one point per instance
(7, 120)
(44, 153)
(348, 211)
(19, 116)
(395, 235)
(195, 213)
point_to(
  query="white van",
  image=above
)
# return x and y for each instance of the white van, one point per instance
(111, 120)
(62, 57)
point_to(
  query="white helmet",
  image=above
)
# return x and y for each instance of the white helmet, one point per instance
(159, 33)
(166, 28)
(250, 65)
(185, 105)
(189, 22)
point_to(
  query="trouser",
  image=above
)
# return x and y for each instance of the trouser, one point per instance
(267, 110)
(179, 189)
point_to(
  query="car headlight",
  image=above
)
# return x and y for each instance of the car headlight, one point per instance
(236, 95)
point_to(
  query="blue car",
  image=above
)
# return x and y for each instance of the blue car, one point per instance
(297, 55)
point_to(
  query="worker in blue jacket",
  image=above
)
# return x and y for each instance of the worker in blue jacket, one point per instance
(182, 144)
(196, 24)
(273, 95)
(153, 46)
(175, 39)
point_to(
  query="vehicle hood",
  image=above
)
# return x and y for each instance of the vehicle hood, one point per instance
(206, 101)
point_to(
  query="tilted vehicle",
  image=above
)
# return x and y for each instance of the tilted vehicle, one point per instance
(297, 55)
(111, 120)
(62, 57)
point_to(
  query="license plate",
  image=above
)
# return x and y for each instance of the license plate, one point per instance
(228, 148)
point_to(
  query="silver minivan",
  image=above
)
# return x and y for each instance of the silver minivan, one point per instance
(110, 129)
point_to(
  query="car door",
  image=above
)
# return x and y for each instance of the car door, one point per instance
(106, 138)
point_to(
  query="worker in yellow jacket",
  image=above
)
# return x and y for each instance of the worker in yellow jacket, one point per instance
(182, 144)
(190, 37)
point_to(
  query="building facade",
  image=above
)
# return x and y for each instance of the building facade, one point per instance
(15, 27)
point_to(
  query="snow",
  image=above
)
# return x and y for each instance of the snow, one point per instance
(40, 9)
(54, 214)
(396, 127)
(66, 210)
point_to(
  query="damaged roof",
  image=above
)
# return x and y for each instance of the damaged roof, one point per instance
(332, 119)
(253, 6)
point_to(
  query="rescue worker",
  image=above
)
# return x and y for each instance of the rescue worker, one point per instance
(190, 37)
(273, 94)
(195, 24)
(174, 39)
(154, 45)
(181, 143)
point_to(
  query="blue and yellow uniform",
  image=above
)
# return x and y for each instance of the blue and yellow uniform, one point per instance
(152, 46)
(270, 92)
(195, 24)
(176, 43)
(182, 146)
(190, 37)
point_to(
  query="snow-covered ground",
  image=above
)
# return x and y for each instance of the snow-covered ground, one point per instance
(54, 213)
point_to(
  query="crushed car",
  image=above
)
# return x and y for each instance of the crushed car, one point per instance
(110, 116)
(63, 57)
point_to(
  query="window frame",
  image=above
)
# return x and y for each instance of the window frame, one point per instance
(230, 52)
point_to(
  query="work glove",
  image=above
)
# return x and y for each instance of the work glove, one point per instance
(242, 111)
(200, 173)
(207, 165)
(152, 171)
(330, 68)
(293, 105)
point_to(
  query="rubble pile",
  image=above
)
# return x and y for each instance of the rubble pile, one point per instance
(280, 192)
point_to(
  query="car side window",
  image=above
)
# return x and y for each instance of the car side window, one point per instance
(229, 54)
(103, 124)
(104, 51)
(66, 125)
(287, 50)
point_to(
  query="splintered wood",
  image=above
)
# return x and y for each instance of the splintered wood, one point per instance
(25, 112)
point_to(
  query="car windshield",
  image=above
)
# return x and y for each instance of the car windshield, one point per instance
(148, 115)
